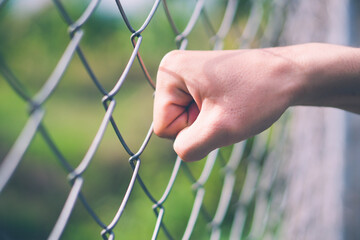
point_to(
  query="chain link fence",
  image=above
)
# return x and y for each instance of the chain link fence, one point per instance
(237, 192)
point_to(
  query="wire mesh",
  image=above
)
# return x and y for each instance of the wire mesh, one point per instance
(251, 196)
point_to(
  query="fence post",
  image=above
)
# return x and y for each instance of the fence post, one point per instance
(315, 167)
(352, 164)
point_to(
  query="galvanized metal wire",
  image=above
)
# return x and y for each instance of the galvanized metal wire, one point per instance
(260, 194)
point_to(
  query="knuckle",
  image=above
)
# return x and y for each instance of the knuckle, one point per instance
(159, 131)
(180, 150)
(163, 132)
(183, 153)
(172, 57)
(186, 152)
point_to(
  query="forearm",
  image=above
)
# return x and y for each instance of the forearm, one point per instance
(331, 76)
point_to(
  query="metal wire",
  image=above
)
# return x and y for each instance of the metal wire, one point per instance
(260, 186)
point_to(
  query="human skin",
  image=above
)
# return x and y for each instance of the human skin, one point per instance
(209, 99)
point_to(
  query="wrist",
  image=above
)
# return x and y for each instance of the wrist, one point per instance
(329, 75)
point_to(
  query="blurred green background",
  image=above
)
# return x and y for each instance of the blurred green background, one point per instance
(31, 43)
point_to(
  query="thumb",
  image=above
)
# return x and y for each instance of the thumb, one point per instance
(197, 140)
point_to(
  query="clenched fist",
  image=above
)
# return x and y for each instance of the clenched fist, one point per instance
(210, 99)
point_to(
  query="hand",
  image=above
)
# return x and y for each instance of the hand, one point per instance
(209, 99)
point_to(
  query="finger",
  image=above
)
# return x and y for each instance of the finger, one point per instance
(172, 104)
(197, 140)
(193, 112)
